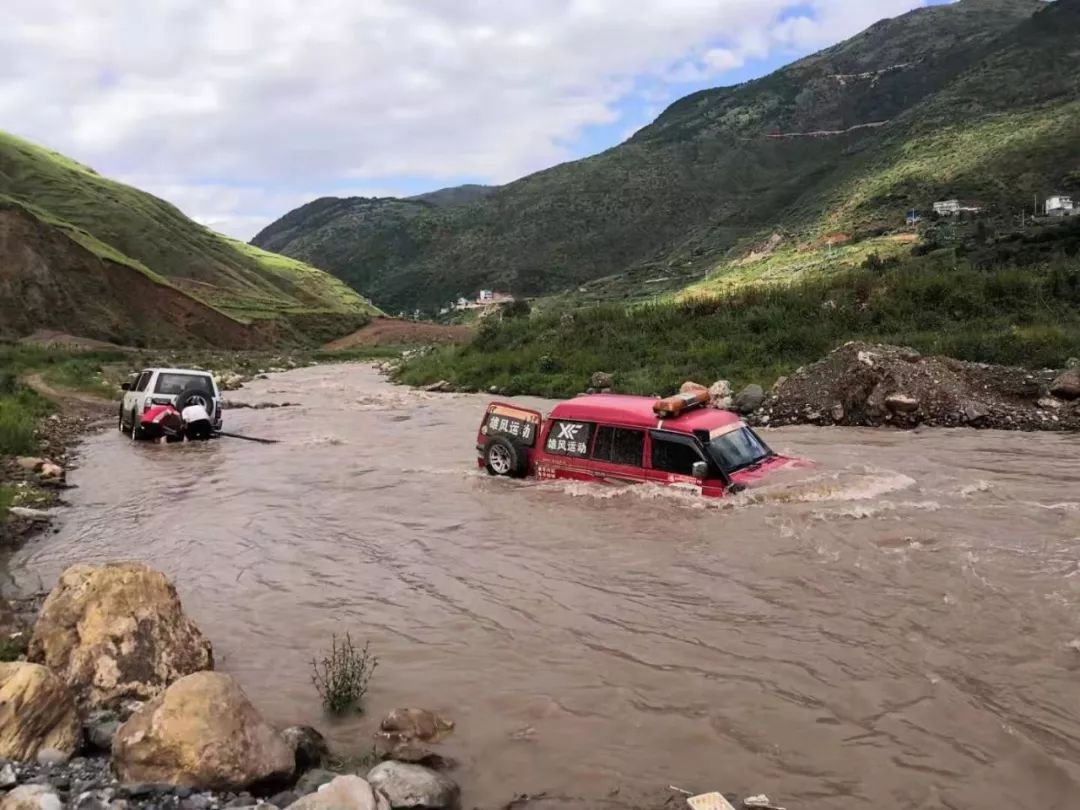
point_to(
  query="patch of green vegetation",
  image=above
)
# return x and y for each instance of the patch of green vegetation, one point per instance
(20, 410)
(7, 499)
(935, 303)
(341, 678)
(13, 649)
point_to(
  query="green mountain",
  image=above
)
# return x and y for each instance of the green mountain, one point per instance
(90, 256)
(974, 99)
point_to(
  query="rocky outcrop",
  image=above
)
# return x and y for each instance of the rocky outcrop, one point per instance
(202, 732)
(37, 712)
(117, 631)
(31, 797)
(407, 785)
(343, 793)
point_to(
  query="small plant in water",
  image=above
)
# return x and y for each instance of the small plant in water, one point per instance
(342, 677)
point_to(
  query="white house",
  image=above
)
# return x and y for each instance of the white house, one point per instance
(1059, 206)
(947, 208)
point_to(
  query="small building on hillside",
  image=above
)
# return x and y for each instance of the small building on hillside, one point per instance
(1059, 205)
(947, 208)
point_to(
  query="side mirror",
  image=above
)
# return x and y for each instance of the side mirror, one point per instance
(700, 470)
(125, 386)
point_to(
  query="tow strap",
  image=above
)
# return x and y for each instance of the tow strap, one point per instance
(246, 438)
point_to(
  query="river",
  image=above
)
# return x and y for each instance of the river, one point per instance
(897, 629)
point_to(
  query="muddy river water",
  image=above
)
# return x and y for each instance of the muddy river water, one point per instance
(899, 628)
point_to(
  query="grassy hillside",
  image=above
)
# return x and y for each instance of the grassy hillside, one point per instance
(124, 226)
(957, 99)
(938, 304)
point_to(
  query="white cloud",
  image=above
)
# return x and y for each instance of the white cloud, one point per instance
(205, 102)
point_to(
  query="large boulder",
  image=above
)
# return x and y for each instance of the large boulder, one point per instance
(37, 712)
(601, 380)
(117, 631)
(691, 387)
(32, 797)
(407, 785)
(749, 399)
(343, 793)
(720, 394)
(1067, 385)
(202, 732)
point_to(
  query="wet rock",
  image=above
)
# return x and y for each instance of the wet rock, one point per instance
(31, 797)
(415, 724)
(720, 394)
(901, 403)
(344, 793)
(50, 757)
(601, 379)
(837, 412)
(440, 387)
(8, 777)
(1067, 385)
(414, 752)
(975, 413)
(313, 780)
(407, 785)
(285, 798)
(749, 399)
(308, 745)
(30, 463)
(37, 711)
(50, 473)
(35, 515)
(117, 631)
(201, 732)
(100, 727)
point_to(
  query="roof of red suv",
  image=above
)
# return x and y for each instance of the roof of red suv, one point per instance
(618, 409)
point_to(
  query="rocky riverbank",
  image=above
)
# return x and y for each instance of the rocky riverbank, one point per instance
(116, 704)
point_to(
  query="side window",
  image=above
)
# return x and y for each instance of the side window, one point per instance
(619, 445)
(674, 457)
(569, 438)
(143, 381)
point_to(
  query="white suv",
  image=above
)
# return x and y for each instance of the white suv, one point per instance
(163, 386)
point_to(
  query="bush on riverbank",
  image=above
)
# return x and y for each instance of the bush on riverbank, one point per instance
(20, 410)
(1007, 315)
(342, 677)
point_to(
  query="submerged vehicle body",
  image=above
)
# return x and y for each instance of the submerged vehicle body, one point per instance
(627, 439)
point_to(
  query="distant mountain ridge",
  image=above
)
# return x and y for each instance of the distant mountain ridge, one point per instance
(93, 257)
(949, 100)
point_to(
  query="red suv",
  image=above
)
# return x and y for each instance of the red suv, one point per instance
(627, 439)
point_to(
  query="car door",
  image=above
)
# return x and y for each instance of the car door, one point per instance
(671, 459)
(131, 396)
(618, 454)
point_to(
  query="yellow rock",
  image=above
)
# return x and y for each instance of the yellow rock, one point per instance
(37, 711)
(202, 732)
(117, 631)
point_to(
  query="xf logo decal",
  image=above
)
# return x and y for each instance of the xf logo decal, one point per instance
(569, 431)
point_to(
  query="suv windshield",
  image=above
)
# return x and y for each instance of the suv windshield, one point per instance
(173, 384)
(738, 449)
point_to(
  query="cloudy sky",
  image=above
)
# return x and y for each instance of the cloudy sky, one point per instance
(239, 110)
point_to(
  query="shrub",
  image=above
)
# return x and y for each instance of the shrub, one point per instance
(342, 677)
